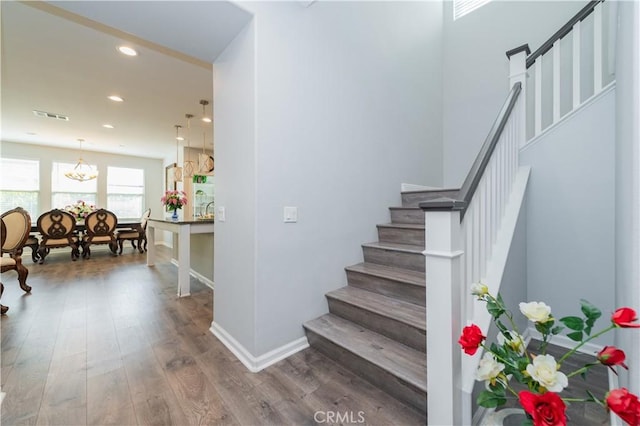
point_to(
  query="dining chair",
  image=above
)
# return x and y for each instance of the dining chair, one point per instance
(99, 229)
(138, 234)
(57, 229)
(16, 225)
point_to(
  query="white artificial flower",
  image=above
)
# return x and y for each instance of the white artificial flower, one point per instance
(516, 342)
(544, 370)
(536, 311)
(488, 368)
(479, 289)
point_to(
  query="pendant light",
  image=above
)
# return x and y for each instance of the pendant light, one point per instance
(205, 161)
(188, 168)
(82, 171)
(177, 171)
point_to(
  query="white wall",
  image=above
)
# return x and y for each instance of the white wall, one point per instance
(627, 203)
(570, 212)
(476, 69)
(347, 108)
(153, 171)
(235, 147)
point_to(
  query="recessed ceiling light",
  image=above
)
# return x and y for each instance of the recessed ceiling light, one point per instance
(180, 138)
(116, 98)
(31, 133)
(108, 126)
(206, 119)
(126, 50)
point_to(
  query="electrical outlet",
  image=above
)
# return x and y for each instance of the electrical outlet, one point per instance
(290, 214)
(221, 215)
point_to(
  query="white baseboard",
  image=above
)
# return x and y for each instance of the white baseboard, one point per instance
(565, 342)
(255, 364)
(198, 276)
(164, 243)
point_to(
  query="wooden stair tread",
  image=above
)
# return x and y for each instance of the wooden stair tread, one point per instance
(407, 248)
(406, 276)
(399, 310)
(401, 226)
(402, 361)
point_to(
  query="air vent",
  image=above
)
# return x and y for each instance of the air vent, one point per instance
(44, 114)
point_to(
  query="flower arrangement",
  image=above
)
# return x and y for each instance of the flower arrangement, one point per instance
(174, 200)
(80, 210)
(540, 373)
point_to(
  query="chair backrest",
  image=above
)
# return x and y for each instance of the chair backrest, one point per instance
(100, 222)
(16, 228)
(145, 218)
(56, 224)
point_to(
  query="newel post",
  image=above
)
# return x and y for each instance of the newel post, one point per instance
(446, 403)
(518, 73)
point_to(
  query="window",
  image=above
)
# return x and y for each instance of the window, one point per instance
(20, 185)
(462, 7)
(65, 191)
(125, 191)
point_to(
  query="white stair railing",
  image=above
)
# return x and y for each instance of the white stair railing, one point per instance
(463, 232)
(580, 66)
(469, 236)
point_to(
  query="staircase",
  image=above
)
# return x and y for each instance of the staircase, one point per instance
(376, 326)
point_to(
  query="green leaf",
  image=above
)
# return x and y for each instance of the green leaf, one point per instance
(590, 311)
(501, 327)
(574, 323)
(575, 336)
(490, 400)
(557, 329)
(494, 308)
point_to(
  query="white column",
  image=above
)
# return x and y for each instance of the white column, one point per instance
(518, 73)
(151, 244)
(444, 362)
(184, 260)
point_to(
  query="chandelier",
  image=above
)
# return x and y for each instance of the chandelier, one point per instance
(188, 167)
(205, 161)
(82, 171)
(175, 170)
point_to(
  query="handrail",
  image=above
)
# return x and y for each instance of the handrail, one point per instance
(465, 193)
(566, 29)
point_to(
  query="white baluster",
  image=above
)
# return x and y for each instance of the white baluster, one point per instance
(556, 81)
(537, 99)
(597, 49)
(576, 65)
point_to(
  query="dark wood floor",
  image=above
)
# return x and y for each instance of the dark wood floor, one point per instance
(106, 341)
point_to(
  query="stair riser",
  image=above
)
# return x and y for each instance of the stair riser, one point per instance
(407, 216)
(413, 199)
(381, 378)
(401, 236)
(396, 330)
(396, 289)
(399, 259)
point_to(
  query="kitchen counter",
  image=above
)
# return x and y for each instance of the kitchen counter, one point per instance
(183, 229)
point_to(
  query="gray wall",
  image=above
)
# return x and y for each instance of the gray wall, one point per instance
(346, 109)
(235, 147)
(570, 212)
(627, 202)
(476, 69)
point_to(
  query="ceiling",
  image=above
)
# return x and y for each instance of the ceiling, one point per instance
(62, 58)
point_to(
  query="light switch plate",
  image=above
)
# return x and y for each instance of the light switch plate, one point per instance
(221, 215)
(290, 214)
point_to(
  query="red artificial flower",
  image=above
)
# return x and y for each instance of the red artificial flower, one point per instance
(610, 356)
(624, 317)
(547, 409)
(625, 405)
(471, 339)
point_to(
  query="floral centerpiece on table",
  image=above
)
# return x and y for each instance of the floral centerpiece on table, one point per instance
(540, 373)
(174, 200)
(80, 210)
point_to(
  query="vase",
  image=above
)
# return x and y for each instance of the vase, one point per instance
(174, 216)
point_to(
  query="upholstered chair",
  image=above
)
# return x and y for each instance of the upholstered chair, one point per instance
(137, 234)
(57, 229)
(16, 225)
(99, 229)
